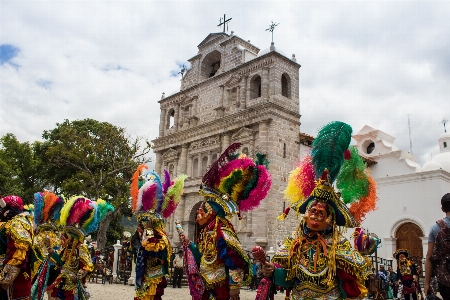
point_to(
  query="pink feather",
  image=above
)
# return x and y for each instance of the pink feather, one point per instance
(80, 207)
(259, 192)
(149, 197)
(170, 208)
(307, 176)
(231, 166)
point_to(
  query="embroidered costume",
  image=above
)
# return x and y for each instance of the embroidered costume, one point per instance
(17, 235)
(317, 261)
(47, 209)
(153, 201)
(406, 272)
(234, 183)
(79, 217)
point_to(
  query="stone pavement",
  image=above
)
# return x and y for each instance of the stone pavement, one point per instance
(124, 292)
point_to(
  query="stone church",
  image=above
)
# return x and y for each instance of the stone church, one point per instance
(233, 92)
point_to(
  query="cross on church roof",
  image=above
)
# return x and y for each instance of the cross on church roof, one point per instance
(272, 28)
(224, 22)
(444, 121)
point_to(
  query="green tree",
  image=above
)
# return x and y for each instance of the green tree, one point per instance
(94, 159)
(19, 168)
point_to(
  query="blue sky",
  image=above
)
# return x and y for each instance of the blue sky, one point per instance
(363, 62)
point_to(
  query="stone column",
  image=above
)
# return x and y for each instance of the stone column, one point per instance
(222, 95)
(132, 279)
(238, 96)
(226, 141)
(243, 87)
(264, 135)
(194, 106)
(179, 216)
(189, 167)
(117, 247)
(158, 162)
(176, 117)
(265, 85)
(199, 166)
(389, 245)
(162, 123)
(208, 163)
(424, 247)
(182, 162)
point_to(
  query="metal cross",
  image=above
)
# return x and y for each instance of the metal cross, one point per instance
(272, 28)
(224, 22)
(183, 69)
(444, 121)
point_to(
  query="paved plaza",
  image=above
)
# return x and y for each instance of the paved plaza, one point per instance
(124, 292)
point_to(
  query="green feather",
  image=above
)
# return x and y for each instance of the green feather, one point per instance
(231, 181)
(251, 184)
(352, 180)
(261, 160)
(329, 146)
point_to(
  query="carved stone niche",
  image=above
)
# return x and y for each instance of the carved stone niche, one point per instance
(170, 155)
(244, 135)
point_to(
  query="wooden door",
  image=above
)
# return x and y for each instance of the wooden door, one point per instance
(408, 237)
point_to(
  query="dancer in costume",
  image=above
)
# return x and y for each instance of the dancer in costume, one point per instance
(17, 239)
(153, 201)
(234, 183)
(317, 261)
(406, 273)
(79, 217)
(47, 210)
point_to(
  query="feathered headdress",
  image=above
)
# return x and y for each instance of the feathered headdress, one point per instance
(47, 209)
(331, 160)
(365, 243)
(79, 216)
(152, 198)
(236, 182)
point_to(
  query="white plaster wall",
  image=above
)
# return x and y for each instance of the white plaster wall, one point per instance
(408, 198)
(390, 165)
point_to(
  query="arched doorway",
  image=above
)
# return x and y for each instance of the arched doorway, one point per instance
(193, 234)
(408, 237)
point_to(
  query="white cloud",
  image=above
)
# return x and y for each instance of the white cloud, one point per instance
(362, 62)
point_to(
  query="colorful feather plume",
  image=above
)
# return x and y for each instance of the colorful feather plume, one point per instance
(80, 213)
(366, 204)
(104, 208)
(329, 146)
(47, 207)
(352, 181)
(245, 181)
(38, 207)
(301, 181)
(136, 183)
(153, 194)
(211, 178)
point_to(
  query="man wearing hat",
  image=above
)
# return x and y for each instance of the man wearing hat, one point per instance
(406, 273)
(17, 232)
(178, 266)
(438, 254)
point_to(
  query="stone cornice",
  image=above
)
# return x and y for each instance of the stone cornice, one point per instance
(242, 70)
(251, 47)
(265, 111)
(414, 177)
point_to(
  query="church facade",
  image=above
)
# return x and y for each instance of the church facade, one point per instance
(233, 92)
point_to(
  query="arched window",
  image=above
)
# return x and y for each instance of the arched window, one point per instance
(211, 64)
(204, 164)
(195, 167)
(370, 148)
(255, 87)
(245, 151)
(445, 144)
(170, 119)
(171, 170)
(214, 157)
(286, 85)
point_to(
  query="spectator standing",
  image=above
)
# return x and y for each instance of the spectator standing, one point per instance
(178, 266)
(393, 284)
(438, 254)
(383, 276)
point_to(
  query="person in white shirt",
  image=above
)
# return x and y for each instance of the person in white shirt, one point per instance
(178, 266)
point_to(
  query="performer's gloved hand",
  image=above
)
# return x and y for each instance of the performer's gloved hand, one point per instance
(8, 275)
(267, 269)
(234, 292)
(81, 274)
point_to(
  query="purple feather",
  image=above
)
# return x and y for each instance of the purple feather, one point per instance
(167, 182)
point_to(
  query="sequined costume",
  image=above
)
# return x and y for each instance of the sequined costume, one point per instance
(15, 276)
(406, 272)
(79, 217)
(47, 208)
(317, 261)
(152, 202)
(234, 183)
